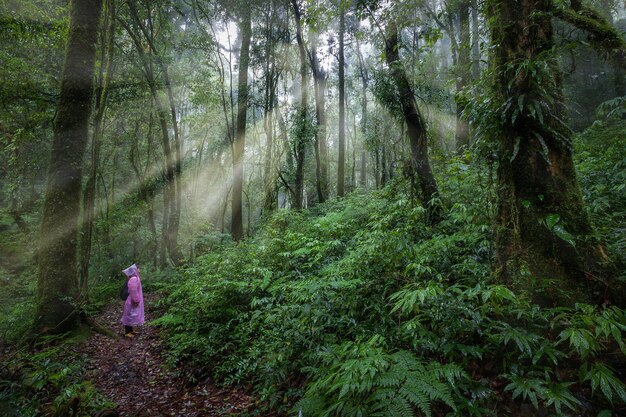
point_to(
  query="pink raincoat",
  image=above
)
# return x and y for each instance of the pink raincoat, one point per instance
(133, 315)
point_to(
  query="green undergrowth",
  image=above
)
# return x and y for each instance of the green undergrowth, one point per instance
(601, 164)
(358, 307)
(48, 380)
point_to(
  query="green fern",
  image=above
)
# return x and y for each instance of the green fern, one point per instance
(559, 395)
(581, 340)
(361, 379)
(603, 377)
(528, 388)
(610, 324)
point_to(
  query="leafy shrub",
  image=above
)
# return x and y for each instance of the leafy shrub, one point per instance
(601, 163)
(359, 307)
(48, 381)
(361, 378)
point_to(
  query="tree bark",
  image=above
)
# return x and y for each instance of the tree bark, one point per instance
(383, 165)
(240, 128)
(475, 40)
(415, 125)
(364, 82)
(341, 163)
(271, 82)
(89, 194)
(301, 135)
(461, 136)
(543, 233)
(57, 281)
(321, 152)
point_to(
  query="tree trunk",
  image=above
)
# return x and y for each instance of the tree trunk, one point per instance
(301, 135)
(57, 281)
(364, 82)
(341, 163)
(321, 152)
(176, 194)
(544, 235)
(89, 194)
(268, 126)
(461, 136)
(475, 41)
(353, 146)
(271, 82)
(168, 173)
(168, 170)
(173, 191)
(383, 166)
(240, 129)
(415, 125)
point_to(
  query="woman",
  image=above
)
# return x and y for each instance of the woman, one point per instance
(133, 307)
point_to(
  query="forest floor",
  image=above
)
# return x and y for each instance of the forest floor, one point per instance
(133, 373)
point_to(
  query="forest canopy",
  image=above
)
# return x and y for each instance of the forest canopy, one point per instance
(339, 207)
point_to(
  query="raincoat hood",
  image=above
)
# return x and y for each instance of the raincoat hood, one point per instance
(131, 271)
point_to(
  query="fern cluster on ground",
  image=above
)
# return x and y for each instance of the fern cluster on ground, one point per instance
(358, 308)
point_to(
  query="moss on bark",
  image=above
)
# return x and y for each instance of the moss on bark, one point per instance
(57, 282)
(544, 236)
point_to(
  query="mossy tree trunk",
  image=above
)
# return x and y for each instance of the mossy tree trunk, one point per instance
(415, 125)
(57, 281)
(544, 238)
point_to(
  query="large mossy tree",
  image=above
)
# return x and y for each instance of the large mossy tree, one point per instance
(57, 282)
(545, 239)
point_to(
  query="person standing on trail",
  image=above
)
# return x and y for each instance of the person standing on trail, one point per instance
(133, 306)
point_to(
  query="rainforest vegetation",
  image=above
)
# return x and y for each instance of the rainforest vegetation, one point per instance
(339, 207)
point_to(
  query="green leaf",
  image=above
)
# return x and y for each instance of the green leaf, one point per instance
(552, 220)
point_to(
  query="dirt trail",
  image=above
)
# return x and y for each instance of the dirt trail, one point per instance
(132, 373)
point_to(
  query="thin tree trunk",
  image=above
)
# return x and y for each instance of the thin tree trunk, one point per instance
(240, 128)
(169, 192)
(176, 194)
(383, 166)
(353, 168)
(175, 184)
(364, 82)
(415, 125)
(89, 194)
(475, 41)
(57, 280)
(461, 136)
(321, 151)
(341, 162)
(301, 136)
(268, 117)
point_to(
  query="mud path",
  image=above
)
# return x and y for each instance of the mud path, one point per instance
(133, 374)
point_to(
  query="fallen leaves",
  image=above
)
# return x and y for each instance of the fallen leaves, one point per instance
(133, 374)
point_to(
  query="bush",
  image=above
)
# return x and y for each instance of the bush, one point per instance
(359, 307)
(47, 381)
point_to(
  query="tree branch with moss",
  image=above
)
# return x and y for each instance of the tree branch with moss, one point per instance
(601, 34)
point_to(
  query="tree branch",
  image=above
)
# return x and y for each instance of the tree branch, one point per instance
(602, 35)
